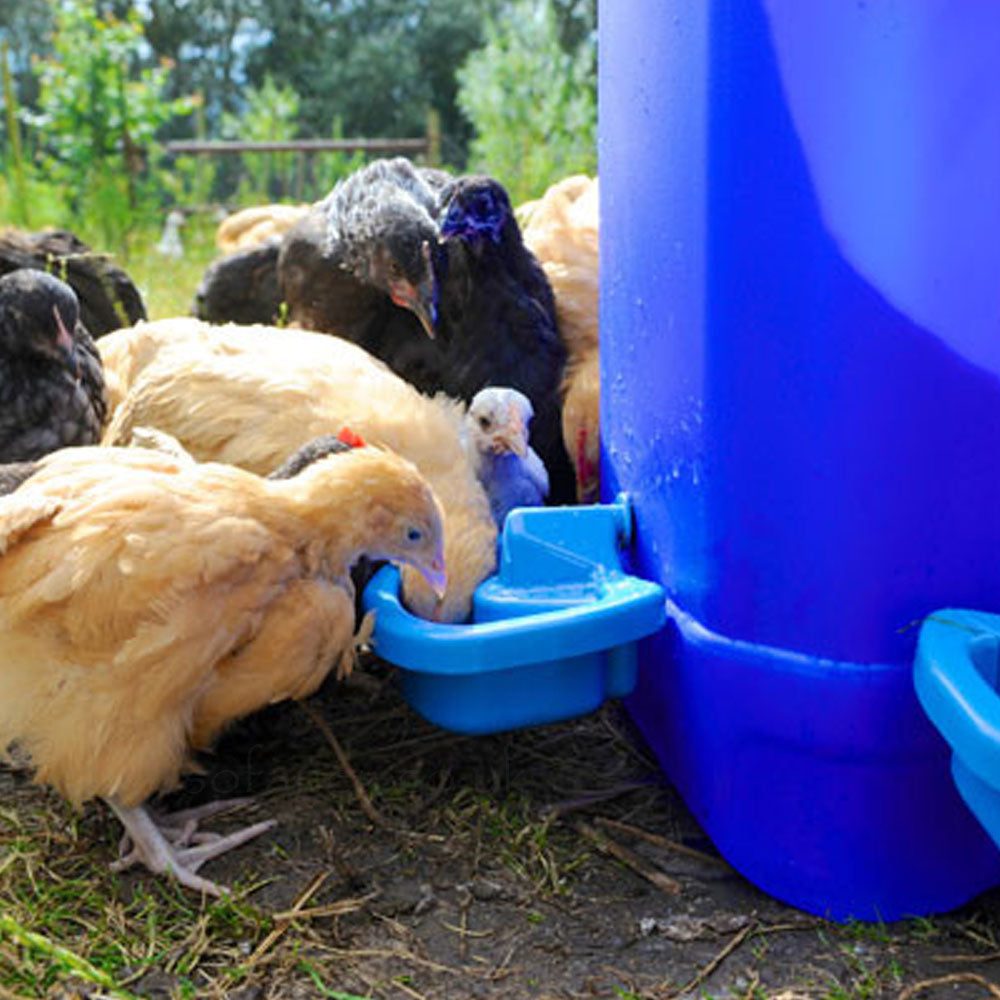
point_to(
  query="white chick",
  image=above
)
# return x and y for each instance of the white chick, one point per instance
(495, 437)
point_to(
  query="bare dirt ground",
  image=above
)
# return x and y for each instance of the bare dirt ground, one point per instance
(547, 863)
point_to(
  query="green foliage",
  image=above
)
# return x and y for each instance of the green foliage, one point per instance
(271, 115)
(14, 158)
(98, 85)
(99, 110)
(168, 288)
(533, 104)
(379, 65)
(336, 166)
(26, 25)
(190, 180)
(42, 204)
(321, 987)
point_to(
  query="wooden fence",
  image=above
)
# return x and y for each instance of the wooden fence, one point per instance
(428, 147)
(418, 147)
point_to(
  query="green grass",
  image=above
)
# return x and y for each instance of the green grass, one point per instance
(64, 917)
(167, 285)
(527, 844)
(320, 985)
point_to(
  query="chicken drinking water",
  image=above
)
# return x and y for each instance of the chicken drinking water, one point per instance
(146, 602)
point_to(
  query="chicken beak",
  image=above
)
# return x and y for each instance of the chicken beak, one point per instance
(436, 577)
(419, 299)
(425, 310)
(508, 441)
(64, 342)
(511, 437)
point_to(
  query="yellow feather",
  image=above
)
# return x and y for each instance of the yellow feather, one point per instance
(250, 396)
(145, 602)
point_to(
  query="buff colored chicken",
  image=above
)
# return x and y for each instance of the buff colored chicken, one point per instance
(562, 231)
(251, 226)
(250, 396)
(147, 602)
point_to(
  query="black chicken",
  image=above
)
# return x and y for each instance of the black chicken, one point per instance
(497, 323)
(241, 287)
(51, 381)
(361, 259)
(108, 298)
(395, 247)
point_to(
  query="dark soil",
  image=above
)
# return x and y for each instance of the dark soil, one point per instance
(551, 862)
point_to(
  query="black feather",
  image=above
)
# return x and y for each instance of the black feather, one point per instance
(51, 395)
(108, 297)
(14, 473)
(310, 452)
(241, 287)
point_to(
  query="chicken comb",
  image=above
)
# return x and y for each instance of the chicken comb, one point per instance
(351, 439)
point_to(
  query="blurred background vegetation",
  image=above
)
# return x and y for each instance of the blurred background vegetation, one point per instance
(93, 89)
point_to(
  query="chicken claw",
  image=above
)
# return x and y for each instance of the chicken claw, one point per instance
(161, 843)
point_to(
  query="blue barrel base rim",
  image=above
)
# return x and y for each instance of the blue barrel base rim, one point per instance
(810, 776)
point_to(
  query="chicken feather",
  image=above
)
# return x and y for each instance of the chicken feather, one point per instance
(249, 396)
(52, 391)
(145, 602)
(562, 231)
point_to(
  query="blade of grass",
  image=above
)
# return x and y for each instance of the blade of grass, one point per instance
(65, 959)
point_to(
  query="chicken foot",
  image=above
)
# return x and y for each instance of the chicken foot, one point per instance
(162, 843)
(179, 828)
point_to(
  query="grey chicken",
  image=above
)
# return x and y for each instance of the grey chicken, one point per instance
(495, 437)
(361, 260)
(108, 297)
(241, 287)
(52, 392)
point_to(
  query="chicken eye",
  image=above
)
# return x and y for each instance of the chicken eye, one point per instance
(395, 271)
(484, 422)
(414, 535)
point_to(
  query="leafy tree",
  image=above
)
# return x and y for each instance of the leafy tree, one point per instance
(26, 25)
(270, 116)
(99, 110)
(357, 67)
(209, 42)
(378, 66)
(533, 104)
(576, 23)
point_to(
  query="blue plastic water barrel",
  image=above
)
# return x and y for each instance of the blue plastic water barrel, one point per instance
(800, 323)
